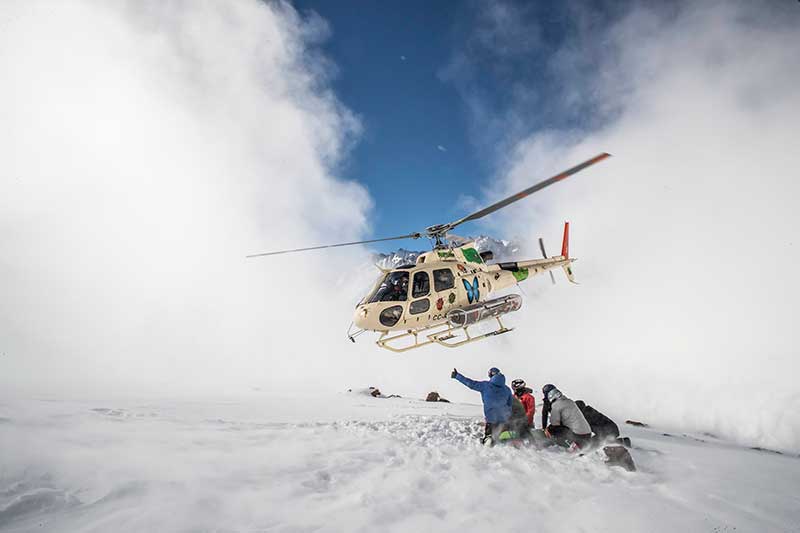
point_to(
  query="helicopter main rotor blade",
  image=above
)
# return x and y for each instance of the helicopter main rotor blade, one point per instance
(527, 192)
(409, 236)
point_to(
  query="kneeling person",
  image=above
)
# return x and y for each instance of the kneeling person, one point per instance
(568, 427)
(496, 399)
(518, 423)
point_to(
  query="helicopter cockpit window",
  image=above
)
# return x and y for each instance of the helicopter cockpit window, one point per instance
(443, 279)
(422, 285)
(393, 288)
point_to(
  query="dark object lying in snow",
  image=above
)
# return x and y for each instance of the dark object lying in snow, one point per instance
(375, 392)
(619, 456)
(637, 424)
(434, 397)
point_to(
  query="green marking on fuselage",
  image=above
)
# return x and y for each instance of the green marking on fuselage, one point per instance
(472, 255)
(520, 274)
(446, 255)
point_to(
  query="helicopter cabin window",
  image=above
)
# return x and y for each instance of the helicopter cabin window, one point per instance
(422, 285)
(443, 279)
(393, 288)
(419, 306)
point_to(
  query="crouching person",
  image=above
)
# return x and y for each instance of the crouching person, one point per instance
(567, 425)
(604, 428)
(522, 409)
(518, 423)
(496, 398)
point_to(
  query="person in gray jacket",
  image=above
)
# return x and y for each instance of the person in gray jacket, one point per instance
(568, 427)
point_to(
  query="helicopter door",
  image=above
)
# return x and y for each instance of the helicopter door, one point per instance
(420, 289)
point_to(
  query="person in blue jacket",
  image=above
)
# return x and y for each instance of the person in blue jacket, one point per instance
(496, 399)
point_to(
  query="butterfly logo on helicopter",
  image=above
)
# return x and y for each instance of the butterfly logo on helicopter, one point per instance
(473, 292)
(423, 303)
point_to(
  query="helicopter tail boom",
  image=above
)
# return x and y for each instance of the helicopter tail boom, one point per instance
(522, 270)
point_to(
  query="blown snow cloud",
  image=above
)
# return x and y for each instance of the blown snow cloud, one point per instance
(146, 148)
(687, 238)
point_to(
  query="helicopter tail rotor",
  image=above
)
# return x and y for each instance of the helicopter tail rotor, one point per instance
(544, 254)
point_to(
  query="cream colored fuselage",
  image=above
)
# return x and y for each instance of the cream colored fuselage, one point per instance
(439, 282)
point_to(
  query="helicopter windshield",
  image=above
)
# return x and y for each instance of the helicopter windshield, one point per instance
(393, 288)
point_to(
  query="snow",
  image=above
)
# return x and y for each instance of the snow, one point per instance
(350, 462)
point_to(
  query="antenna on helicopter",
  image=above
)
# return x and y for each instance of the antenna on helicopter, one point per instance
(438, 232)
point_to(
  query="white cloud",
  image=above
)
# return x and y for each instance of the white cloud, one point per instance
(685, 315)
(146, 148)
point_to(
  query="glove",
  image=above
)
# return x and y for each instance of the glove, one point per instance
(454, 373)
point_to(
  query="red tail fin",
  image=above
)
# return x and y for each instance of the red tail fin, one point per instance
(565, 242)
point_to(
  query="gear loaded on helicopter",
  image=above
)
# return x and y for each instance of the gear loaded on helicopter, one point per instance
(449, 289)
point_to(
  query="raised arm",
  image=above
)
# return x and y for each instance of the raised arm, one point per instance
(471, 383)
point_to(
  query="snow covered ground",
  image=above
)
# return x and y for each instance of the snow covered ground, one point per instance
(350, 462)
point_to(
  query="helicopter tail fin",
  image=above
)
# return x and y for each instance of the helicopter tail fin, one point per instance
(565, 254)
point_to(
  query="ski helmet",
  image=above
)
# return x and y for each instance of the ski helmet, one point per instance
(494, 370)
(518, 384)
(553, 395)
(547, 388)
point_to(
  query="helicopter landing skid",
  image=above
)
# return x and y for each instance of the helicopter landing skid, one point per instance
(394, 343)
(450, 333)
(389, 342)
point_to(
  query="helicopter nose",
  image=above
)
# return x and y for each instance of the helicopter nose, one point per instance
(360, 317)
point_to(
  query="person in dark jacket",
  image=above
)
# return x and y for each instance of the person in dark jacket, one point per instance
(604, 428)
(567, 426)
(518, 423)
(525, 396)
(496, 399)
(545, 411)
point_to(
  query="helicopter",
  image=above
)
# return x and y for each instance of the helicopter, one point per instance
(449, 289)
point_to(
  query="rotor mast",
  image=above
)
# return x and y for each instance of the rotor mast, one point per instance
(438, 233)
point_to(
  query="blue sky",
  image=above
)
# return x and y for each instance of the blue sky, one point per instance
(443, 89)
(414, 155)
